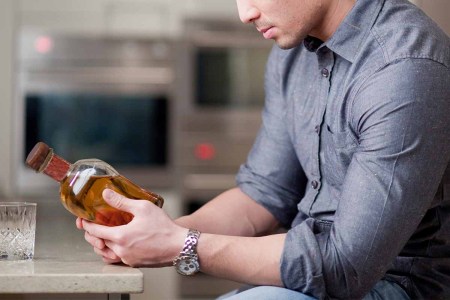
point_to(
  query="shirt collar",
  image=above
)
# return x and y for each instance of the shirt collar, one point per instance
(352, 32)
(312, 44)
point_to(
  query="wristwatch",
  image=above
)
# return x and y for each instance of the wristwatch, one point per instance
(186, 263)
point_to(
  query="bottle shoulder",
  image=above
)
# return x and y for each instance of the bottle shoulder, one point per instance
(95, 166)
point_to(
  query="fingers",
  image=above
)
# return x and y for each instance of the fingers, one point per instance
(78, 223)
(94, 241)
(111, 261)
(108, 254)
(99, 231)
(101, 249)
(99, 245)
(119, 201)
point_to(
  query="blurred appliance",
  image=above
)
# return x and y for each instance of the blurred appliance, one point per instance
(220, 100)
(108, 98)
(222, 96)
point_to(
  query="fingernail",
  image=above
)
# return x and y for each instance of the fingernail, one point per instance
(107, 193)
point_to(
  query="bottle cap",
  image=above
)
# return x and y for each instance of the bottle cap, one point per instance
(38, 156)
(42, 159)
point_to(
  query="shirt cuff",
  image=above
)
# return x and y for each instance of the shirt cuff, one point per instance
(301, 261)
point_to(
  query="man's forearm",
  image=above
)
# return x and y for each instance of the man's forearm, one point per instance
(251, 260)
(231, 213)
(228, 247)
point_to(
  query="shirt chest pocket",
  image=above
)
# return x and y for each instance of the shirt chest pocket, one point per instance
(338, 149)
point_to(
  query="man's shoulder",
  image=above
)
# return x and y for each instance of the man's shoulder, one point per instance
(403, 31)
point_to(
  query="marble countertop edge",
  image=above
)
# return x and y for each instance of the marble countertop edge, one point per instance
(70, 284)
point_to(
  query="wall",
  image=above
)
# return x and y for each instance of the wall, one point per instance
(6, 94)
(438, 10)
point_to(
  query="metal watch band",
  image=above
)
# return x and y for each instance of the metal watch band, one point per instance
(190, 243)
(186, 263)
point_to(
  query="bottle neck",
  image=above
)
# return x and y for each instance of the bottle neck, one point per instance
(56, 167)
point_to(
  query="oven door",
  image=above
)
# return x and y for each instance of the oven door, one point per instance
(118, 114)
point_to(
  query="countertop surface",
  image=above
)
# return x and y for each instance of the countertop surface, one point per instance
(64, 262)
(79, 274)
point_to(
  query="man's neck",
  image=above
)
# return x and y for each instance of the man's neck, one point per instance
(334, 16)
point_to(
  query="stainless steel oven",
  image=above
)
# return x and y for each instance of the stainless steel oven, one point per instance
(221, 98)
(109, 98)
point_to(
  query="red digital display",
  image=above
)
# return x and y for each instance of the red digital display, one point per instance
(205, 151)
(43, 44)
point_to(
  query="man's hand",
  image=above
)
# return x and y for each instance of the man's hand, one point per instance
(151, 239)
(99, 245)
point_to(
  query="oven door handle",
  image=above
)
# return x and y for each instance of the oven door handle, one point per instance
(105, 75)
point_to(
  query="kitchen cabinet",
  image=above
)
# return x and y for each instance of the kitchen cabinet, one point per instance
(141, 18)
(146, 18)
(62, 16)
(60, 5)
(211, 8)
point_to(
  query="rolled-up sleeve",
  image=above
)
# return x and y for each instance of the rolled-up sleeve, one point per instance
(272, 174)
(400, 116)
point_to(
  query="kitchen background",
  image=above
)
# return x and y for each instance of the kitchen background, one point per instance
(159, 51)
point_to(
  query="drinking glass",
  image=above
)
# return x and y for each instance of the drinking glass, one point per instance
(17, 230)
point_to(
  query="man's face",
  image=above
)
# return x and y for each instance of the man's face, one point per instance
(287, 22)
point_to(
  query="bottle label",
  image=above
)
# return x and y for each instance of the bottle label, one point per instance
(80, 179)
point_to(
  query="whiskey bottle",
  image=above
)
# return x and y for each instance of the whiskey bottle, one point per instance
(82, 184)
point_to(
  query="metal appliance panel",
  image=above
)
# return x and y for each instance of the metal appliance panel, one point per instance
(92, 64)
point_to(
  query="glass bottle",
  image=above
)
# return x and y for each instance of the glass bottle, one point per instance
(82, 184)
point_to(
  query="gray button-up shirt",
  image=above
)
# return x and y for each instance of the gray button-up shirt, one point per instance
(353, 155)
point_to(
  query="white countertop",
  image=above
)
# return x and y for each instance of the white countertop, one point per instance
(64, 262)
(78, 274)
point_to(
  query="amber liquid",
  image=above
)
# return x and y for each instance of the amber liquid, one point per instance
(88, 202)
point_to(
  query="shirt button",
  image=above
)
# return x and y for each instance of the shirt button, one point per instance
(314, 184)
(317, 129)
(325, 72)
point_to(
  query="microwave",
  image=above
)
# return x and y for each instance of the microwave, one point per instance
(96, 97)
(225, 63)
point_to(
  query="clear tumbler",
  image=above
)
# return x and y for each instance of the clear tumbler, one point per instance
(17, 230)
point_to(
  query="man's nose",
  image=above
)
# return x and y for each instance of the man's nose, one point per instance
(247, 12)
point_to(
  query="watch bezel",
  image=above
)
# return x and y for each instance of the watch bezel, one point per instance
(178, 263)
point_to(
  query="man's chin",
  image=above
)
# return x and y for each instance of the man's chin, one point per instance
(284, 47)
(287, 44)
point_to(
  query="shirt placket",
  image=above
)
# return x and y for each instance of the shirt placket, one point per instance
(325, 63)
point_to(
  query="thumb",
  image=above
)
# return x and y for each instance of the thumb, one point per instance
(118, 201)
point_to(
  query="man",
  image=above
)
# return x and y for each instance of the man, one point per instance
(352, 158)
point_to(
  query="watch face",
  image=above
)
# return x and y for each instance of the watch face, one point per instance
(187, 265)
